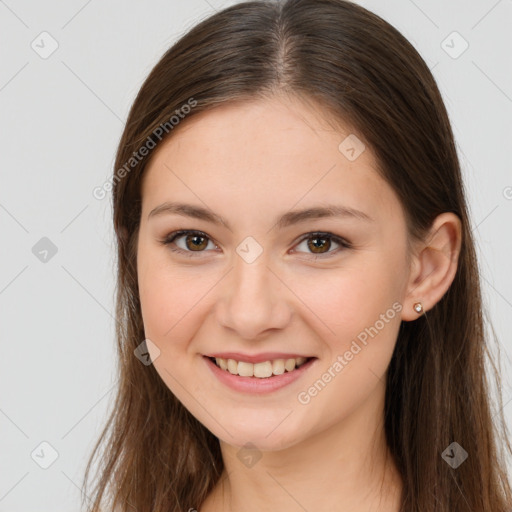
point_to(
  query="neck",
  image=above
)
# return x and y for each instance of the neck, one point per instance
(344, 467)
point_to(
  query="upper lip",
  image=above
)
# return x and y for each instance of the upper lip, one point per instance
(256, 358)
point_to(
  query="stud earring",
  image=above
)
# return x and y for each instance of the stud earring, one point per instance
(418, 307)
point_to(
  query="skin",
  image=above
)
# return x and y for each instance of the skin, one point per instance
(250, 163)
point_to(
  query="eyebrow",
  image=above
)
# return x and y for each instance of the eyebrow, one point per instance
(287, 219)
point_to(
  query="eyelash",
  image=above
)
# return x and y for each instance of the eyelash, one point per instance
(316, 234)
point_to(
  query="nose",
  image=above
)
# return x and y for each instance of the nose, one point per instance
(253, 300)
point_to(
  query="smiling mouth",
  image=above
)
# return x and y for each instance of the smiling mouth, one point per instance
(261, 370)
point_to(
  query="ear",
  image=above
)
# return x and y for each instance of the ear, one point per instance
(434, 265)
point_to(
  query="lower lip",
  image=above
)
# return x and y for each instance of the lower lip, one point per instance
(256, 385)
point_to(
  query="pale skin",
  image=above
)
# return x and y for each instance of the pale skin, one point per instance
(250, 163)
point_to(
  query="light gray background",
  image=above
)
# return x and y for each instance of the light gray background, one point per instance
(61, 119)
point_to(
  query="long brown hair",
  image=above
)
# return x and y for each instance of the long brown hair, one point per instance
(361, 70)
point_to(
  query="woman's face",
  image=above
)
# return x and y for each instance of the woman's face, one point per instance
(260, 283)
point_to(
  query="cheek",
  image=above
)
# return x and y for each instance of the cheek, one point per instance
(163, 300)
(165, 305)
(170, 303)
(349, 299)
(364, 314)
(172, 300)
(166, 293)
(357, 313)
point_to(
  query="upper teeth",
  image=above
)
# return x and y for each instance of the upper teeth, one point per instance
(261, 370)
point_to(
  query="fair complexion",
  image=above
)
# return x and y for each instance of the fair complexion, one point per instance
(251, 163)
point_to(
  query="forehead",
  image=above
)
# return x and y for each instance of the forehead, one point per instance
(264, 151)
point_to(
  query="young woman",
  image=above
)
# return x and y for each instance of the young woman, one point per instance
(300, 323)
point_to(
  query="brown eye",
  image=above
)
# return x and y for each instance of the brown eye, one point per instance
(319, 245)
(196, 242)
(187, 242)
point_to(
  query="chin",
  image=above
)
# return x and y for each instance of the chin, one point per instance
(258, 442)
(273, 438)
